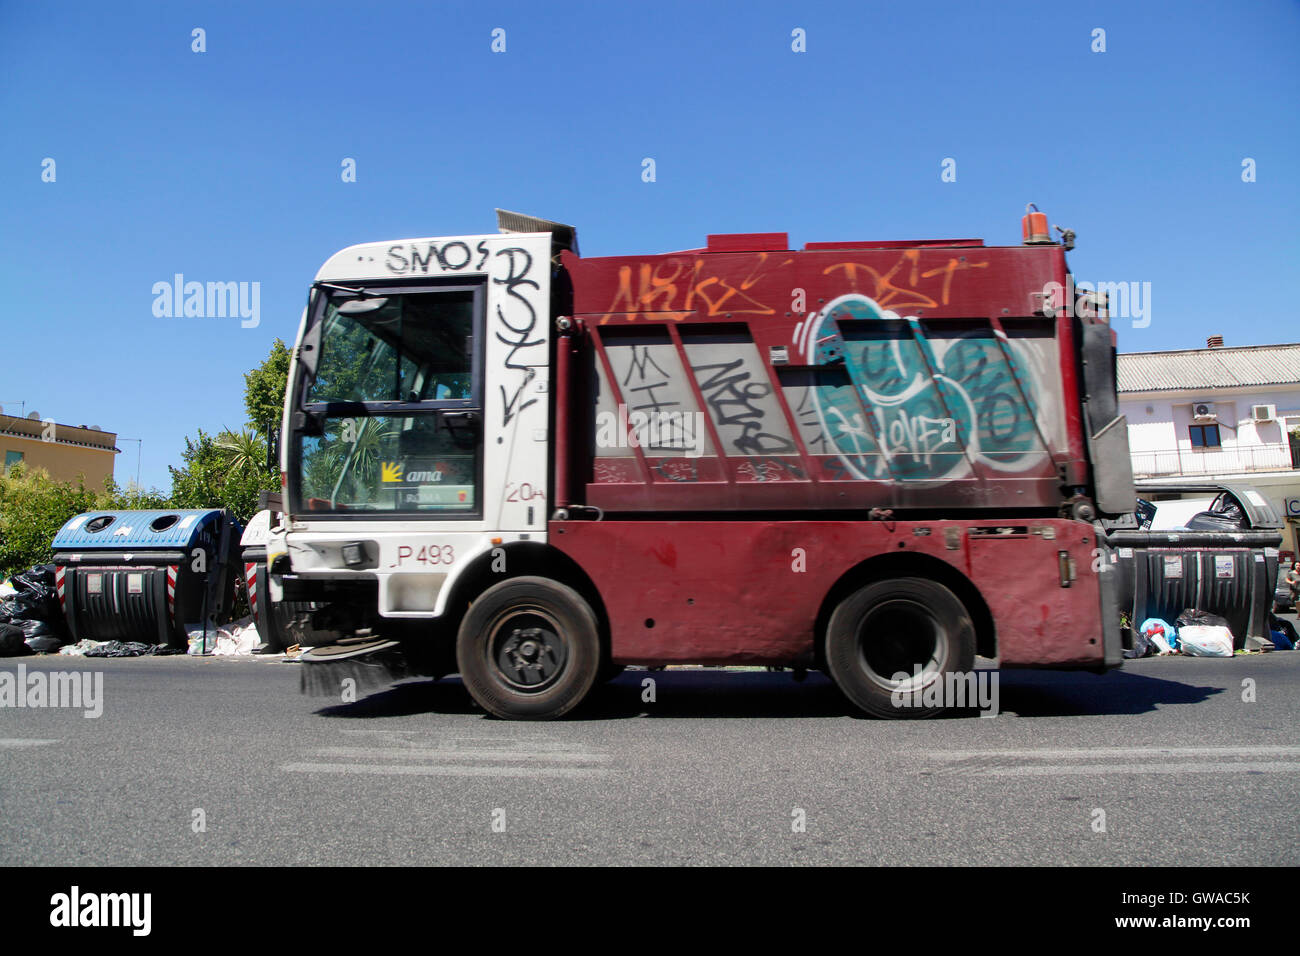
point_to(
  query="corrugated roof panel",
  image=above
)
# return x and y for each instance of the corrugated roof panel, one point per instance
(1209, 368)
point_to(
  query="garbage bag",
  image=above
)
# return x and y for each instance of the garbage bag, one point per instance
(1200, 640)
(1141, 646)
(1280, 625)
(120, 649)
(1225, 515)
(1202, 618)
(34, 629)
(78, 649)
(37, 586)
(12, 641)
(1163, 636)
(20, 607)
(45, 644)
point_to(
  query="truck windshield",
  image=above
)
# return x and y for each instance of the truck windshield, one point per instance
(398, 348)
(394, 393)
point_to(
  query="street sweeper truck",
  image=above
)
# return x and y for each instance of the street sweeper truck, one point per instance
(876, 459)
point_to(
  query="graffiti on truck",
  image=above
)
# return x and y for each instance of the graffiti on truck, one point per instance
(678, 287)
(914, 405)
(516, 328)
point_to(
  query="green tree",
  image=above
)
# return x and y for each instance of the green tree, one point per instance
(264, 389)
(212, 475)
(33, 507)
(228, 470)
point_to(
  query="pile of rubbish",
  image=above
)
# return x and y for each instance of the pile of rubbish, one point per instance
(1200, 634)
(232, 640)
(31, 620)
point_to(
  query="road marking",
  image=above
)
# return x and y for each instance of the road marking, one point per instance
(1105, 752)
(1117, 760)
(396, 753)
(413, 753)
(1041, 770)
(16, 742)
(443, 770)
(418, 738)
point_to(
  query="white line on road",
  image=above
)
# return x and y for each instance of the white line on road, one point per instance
(417, 737)
(443, 770)
(16, 742)
(412, 753)
(1046, 770)
(1263, 750)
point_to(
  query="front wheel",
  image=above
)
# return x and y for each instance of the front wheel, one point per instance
(528, 649)
(888, 643)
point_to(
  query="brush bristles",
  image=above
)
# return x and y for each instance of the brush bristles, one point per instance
(325, 678)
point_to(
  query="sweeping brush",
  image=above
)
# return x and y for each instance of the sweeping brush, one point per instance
(370, 664)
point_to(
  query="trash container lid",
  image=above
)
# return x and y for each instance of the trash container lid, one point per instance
(135, 529)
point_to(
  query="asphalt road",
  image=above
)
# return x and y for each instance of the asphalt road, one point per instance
(714, 771)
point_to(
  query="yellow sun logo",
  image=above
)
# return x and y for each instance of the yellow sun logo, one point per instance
(391, 471)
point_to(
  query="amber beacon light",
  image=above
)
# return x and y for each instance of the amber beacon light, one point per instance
(1033, 226)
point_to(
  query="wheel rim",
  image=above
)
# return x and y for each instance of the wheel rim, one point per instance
(901, 636)
(527, 649)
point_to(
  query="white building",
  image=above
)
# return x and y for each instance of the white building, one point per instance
(1216, 413)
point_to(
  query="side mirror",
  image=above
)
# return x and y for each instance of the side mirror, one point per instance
(273, 449)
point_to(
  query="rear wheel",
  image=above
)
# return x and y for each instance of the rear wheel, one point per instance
(889, 642)
(528, 649)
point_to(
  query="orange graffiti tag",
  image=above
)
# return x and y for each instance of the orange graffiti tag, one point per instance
(888, 293)
(664, 289)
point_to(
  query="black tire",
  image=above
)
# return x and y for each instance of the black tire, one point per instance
(891, 627)
(528, 649)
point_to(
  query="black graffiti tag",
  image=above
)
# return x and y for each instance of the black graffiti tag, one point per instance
(520, 263)
(450, 256)
(730, 396)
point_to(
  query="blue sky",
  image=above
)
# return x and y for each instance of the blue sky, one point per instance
(225, 165)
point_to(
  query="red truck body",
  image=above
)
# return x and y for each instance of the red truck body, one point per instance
(824, 457)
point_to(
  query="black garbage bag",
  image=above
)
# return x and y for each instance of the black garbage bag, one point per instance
(45, 644)
(1142, 646)
(20, 607)
(12, 641)
(1225, 514)
(1200, 618)
(36, 586)
(120, 649)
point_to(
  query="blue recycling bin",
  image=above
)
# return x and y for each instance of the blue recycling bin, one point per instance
(144, 575)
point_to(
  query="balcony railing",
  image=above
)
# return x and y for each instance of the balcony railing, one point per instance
(1213, 461)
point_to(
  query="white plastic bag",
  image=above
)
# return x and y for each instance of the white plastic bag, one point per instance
(198, 645)
(1200, 640)
(236, 641)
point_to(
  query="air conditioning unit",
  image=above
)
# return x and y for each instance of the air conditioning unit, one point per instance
(1204, 411)
(1263, 413)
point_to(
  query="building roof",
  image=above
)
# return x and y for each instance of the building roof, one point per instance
(34, 430)
(1209, 368)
